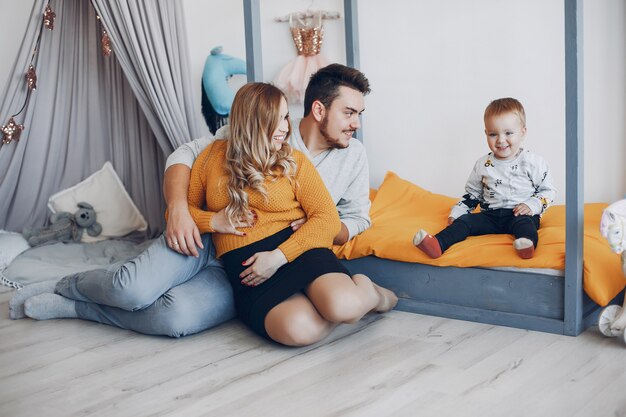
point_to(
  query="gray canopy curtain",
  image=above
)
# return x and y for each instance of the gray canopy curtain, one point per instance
(150, 41)
(131, 108)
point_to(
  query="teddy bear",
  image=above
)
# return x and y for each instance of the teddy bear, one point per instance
(612, 320)
(65, 227)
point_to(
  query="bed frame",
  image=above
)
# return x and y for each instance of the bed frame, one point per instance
(524, 300)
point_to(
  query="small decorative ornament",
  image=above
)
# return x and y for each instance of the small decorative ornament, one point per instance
(11, 131)
(48, 18)
(106, 43)
(31, 78)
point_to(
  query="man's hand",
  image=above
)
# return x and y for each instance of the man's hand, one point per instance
(182, 234)
(522, 210)
(262, 266)
(220, 224)
(450, 220)
(295, 225)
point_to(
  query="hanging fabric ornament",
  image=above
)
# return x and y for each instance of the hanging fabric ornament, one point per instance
(307, 33)
(31, 78)
(48, 18)
(11, 131)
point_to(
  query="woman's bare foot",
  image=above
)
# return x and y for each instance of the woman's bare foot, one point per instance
(388, 299)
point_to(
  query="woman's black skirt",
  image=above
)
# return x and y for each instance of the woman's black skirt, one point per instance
(253, 303)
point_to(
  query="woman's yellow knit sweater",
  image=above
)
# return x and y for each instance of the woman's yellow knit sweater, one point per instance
(308, 197)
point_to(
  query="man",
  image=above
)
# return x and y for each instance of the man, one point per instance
(154, 293)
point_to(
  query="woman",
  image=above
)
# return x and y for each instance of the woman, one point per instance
(288, 286)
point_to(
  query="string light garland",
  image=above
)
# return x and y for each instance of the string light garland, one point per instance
(12, 130)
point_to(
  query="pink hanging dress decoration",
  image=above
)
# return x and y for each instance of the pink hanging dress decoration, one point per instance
(307, 37)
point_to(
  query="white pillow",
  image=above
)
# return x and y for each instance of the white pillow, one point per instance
(115, 210)
(11, 245)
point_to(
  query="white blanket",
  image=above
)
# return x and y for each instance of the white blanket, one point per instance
(54, 261)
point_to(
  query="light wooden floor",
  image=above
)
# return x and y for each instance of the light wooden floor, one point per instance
(398, 364)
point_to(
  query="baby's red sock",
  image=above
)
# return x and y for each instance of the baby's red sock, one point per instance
(524, 248)
(427, 243)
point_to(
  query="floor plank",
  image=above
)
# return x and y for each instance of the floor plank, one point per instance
(397, 364)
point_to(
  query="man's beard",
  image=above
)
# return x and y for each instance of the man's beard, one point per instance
(332, 143)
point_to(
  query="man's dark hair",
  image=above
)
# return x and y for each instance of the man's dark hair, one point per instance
(324, 85)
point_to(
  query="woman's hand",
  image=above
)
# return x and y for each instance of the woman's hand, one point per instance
(220, 224)
(522, 210)
(262, 266)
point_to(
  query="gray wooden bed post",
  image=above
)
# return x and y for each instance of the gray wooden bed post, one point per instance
(353, 59)
(252, 25)
(574, 161)
(352, 33)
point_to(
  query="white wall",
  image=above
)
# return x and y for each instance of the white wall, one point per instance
(210, 24)
(450, 60)
(453, 57)
(434, 65)
(605, 99)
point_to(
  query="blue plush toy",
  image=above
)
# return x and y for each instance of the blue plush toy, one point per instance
(217, 96)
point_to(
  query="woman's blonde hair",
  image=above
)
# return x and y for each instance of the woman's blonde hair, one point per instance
(250, 155)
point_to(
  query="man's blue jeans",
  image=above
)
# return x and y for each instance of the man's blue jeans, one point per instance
(160, 292)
